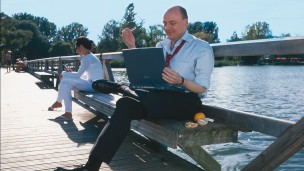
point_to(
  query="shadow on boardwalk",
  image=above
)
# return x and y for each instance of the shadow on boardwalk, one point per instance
(32, 140)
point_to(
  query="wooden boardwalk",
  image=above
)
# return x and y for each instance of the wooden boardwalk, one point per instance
(32, 140)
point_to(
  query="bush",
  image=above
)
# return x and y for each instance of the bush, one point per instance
(117, 64)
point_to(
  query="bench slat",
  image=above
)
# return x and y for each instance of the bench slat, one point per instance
(42, 75)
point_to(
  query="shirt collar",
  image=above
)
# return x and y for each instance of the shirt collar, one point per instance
(187, 37)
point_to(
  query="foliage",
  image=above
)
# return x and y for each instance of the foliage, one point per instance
(61, 48)
(71, 32)
(38, 45)
(12, 37)
(48, 29)
(234, 37)
(109, 37)
(207, 31)
(118, 64)
(258, 30)
(23, 37)
(154, 35)
(284, 35)
(129, 21)
(225, 62)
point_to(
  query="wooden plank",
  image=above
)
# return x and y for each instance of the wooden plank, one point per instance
(42, 75)
(289, 143)
(198, 154)
(247, 121)
(212, 133)
(157, 132)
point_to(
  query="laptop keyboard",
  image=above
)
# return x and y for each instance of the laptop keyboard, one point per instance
(167, 87)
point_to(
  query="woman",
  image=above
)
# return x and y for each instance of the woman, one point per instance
(89, 71)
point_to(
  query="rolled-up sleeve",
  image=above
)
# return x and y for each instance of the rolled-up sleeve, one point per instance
(204, 67)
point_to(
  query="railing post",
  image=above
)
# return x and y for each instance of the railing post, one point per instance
(46, 65)
(289, 143)
(107, 71)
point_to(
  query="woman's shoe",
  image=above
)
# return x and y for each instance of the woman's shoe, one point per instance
(76, 168)
(54, 106)
(66, 116)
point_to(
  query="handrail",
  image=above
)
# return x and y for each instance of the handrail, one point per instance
(276, 46)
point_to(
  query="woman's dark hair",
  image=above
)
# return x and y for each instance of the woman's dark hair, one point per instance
(85, 42)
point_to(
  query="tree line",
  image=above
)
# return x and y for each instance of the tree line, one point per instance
(36, 37)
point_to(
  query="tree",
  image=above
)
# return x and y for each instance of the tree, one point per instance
(130, 22)
(14, 39)
(23, 37)
(234, 37)
(48, 29)
(154, 35)
(258, 30)
(285, 35)
(207, 31)
(61, 49)
(195, 27)
(71, 32)
(38, 46)
(109, 39)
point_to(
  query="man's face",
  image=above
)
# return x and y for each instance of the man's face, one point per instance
(174, 25)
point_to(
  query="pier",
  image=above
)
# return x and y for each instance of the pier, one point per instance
(32, 140)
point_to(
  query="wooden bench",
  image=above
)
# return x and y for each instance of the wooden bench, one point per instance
(44, 76)
(170, 133)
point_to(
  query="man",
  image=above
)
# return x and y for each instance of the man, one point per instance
(189, 62)
(8, 60)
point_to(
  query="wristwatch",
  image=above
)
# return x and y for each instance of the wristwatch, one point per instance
(182, 82)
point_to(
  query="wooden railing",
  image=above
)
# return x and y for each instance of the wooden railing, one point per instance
(242, 121)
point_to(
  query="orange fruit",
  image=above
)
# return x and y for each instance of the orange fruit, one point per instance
(198, 116)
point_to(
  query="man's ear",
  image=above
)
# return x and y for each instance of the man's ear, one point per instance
(186, 23)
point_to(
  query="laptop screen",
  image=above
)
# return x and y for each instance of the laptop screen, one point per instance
(144, 65)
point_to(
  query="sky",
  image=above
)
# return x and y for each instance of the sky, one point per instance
(283, 16)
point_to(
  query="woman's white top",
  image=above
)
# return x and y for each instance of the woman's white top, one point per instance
(90, 69)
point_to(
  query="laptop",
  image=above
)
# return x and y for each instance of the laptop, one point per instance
(144, 69)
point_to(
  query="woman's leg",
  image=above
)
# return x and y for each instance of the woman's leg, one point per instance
(65, 88)
(64, 94)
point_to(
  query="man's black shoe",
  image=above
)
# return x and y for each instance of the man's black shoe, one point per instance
(77, 168)
(106, 86)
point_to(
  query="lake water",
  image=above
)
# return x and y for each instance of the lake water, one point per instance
(275, 91)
